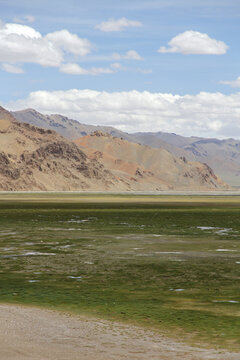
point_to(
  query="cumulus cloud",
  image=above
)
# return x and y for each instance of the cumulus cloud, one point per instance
(23, 44)
(194, 42)
(204, 114)
(69, 42)
(117, 24)
(130, 55)
(117, 66)
(12, 69)
(75, 69)
(232, 83)
(24, 19)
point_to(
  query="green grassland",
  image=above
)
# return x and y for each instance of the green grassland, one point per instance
(167, 262)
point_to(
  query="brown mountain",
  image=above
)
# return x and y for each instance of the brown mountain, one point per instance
(32, 158)
(223, 156)
(146, 168)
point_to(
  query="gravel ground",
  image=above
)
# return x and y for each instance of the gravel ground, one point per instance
(36, 334)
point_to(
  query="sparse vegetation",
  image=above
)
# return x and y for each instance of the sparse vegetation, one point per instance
(171, 263)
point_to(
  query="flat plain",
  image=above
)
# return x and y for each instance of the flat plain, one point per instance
(165, 263)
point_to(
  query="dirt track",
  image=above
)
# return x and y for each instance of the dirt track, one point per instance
(30, 333)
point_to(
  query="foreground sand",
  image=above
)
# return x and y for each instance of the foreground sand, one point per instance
(36, 334)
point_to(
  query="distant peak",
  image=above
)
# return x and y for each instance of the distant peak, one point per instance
(27, 111)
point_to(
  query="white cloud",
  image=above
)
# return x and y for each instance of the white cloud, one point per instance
(194, 42)
(28, 32)
(23, 44)
(232, 83)
(117, 66)
(130, 55)
(69, 42)
(12, 69)
(24, 19)
(145, 71)
(204, 114)
(117, 25)
(75, 69)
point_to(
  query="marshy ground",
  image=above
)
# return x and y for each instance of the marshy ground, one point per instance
(168, 263)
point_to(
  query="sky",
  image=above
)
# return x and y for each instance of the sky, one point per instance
(138, 65)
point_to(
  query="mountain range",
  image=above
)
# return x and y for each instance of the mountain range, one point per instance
(34, 158)
(223, 156)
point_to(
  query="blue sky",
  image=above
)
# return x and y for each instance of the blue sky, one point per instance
(108, 62)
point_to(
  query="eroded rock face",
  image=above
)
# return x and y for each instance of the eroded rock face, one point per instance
(36, 159)
(32, 158)
(145, 168)
(7, 169)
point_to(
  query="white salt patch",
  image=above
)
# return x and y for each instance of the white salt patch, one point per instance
(156, 235)
(220, 231)
(65, 246)
(32, 281)
(88, 262)
(61, 229)
(223, 231)
(226, 301)
(75, 277)
(8, 248)
(144, 254)
(35, 253)
(179, 289)
(225, 250)
(168, 252)
(237, 262)
(8, 256)
(78, 221)
(207, 227)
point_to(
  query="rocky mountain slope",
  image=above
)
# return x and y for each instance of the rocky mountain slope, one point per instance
(149, 168)
(223, 156)
(32, 158)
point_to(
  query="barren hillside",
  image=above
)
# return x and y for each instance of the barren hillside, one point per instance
(148, 168)
(32, 158)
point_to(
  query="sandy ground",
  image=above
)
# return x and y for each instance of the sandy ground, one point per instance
(36, 334)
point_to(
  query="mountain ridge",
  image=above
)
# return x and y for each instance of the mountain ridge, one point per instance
(142, 163)
(33, 158)
(223, 156)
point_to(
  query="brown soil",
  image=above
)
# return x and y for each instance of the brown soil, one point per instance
(36, 334)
